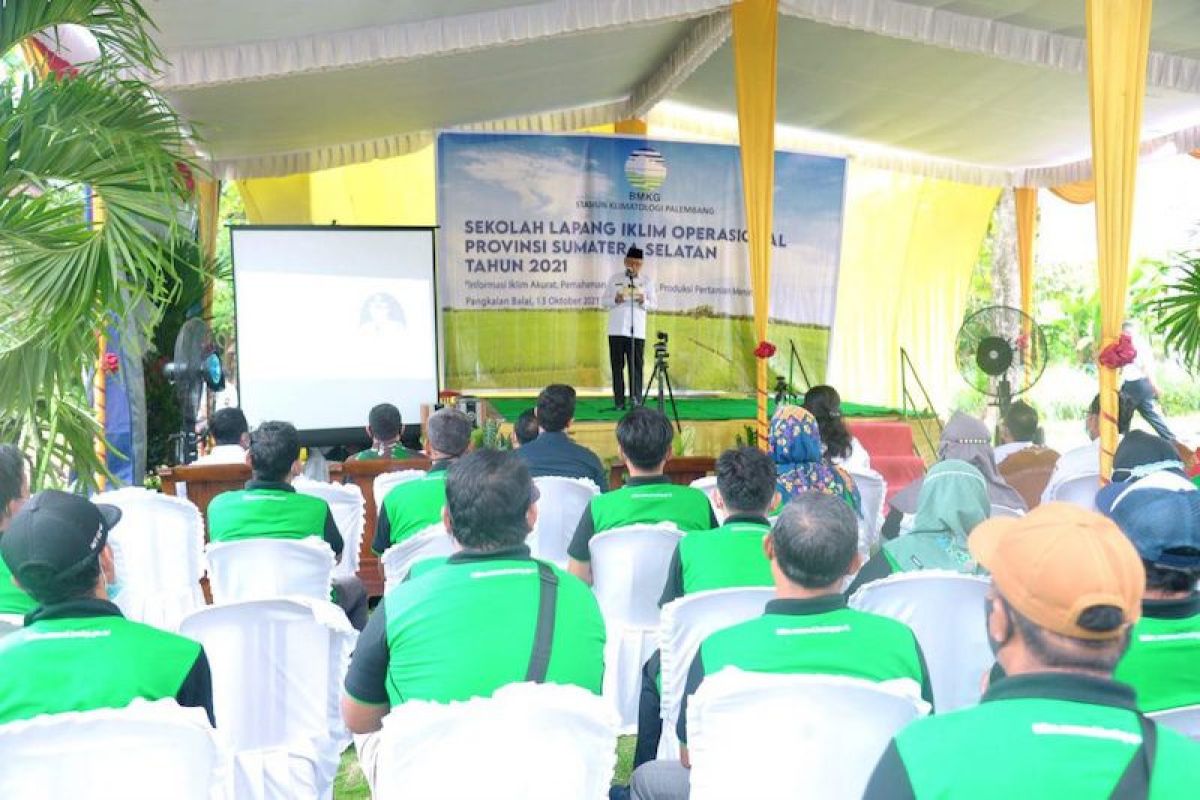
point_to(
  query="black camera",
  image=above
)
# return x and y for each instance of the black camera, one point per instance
(660, 346)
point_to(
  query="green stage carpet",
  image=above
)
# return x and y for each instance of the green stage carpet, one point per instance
(598, 409)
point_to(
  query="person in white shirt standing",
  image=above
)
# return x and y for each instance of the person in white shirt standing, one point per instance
(1138, 385)
(628, 296)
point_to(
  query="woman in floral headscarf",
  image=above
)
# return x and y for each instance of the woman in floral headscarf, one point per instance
(795, 446)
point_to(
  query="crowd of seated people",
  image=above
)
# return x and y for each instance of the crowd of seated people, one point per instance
(1094, 616)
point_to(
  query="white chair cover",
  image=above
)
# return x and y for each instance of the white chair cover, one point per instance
(16, 620)
(260, 569)
(769, 736)
(157, 549)
(561, 503)
(708, 485)
(872, 489)
(686, 623)
(526, 742)
(629, 570)
(1080, 490)
(398, 559)
(1005, 511)
(145, 751)
(277, 670)
(387, 481)
(1186, 720)
(946, 612)
(349, 512)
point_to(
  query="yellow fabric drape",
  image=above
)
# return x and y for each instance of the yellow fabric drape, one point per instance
(909, 245)
(755, 37)
(1079, 193)
(208, 198)
(1118, 41)
(1027, 204)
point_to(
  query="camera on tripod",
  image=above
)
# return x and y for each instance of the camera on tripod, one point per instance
(660, 346)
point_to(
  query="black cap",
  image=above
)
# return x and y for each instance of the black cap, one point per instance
(634, 252)
(54, 537)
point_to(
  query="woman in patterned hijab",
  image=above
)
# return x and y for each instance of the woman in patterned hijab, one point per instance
(795, 446)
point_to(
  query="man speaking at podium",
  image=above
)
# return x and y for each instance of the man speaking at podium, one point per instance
(628, 297)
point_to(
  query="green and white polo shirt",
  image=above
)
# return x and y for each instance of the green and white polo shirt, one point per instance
(271, 510)
(467, 628)
(721, 558)
(410, 507)
(396, 452)
(84, 655)
(817, 636)
(1037, 736)
(1162, 663)
(646, 500)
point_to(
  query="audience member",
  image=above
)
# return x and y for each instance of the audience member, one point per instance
(552, 453)
(1141, 455)
(953, 501)
(800, 466)
(76, 651)
(1164, 649)
(525, 429)
(721, 558)
(1028, 471)
(384, 426)
(964, 438)
(1085, 460)
(644, 438)
(1066, 587)
(1137, 383)
(839, 446)
(413, 506)
(14, 491)
(1019, 430)
(473, 625)
(231, 438)
(270, 507)
(812, 548)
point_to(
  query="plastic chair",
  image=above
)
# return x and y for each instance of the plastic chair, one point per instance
(872, 488)
(277, 670)
(561, 503)
(629, 569)
(756, 735)
(1080, 490)
(708, 485)
(349, 512)
(398, 559)
(145, 751)
(1186, 720)
(157, 550)
(946, 612)
(261, 569)
(535, 741)
(1005, 511)
(387, 481)
(686, 623)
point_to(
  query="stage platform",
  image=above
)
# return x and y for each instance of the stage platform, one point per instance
(900, 446)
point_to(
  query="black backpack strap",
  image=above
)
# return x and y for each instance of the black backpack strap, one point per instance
(1135, 780)
(543, 636)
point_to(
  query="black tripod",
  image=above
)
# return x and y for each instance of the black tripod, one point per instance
(662, 377)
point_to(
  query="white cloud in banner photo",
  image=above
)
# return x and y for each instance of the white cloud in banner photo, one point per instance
(547, 183)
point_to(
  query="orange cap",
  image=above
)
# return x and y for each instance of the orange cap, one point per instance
(1059, 560)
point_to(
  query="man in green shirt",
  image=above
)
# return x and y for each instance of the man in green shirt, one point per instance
(807, 629)
(412, 506)
(1066, 589)
(14, 491)
(270, 507)
(76, 652)
(490, 616)
(1162, 663)
(384, 426)
(644, 442)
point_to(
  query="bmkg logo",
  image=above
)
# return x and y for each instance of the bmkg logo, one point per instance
(645, 169)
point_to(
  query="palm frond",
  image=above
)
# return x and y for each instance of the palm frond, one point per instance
(120, 27)
(1180, 311)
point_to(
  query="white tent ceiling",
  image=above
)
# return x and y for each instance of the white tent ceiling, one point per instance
(989, 91)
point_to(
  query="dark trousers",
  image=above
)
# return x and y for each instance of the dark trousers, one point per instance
(649, 729)
(351, 596)
(1141, 394)
(619, 356)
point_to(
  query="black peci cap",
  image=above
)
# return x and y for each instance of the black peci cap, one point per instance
(54, 537)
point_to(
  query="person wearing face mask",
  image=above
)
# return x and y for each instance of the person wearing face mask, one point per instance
(14, 491)
(1067, 588)
(77, 652)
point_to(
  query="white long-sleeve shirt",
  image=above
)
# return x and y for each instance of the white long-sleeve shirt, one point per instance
(619, 313)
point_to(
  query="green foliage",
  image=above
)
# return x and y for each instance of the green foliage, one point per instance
(490, 437)
(1180, 310)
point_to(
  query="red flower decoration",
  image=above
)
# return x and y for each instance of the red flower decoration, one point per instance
(111, 363)
(764, 350)
(1023, 342)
